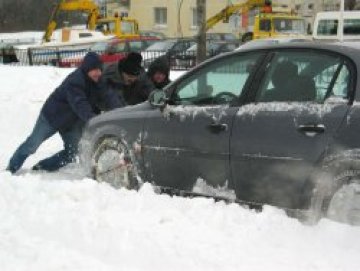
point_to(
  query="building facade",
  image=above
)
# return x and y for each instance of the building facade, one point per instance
(178, 18)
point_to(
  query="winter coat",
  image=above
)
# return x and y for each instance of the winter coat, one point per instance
(161, 64)
(77, 100)
(128, 94)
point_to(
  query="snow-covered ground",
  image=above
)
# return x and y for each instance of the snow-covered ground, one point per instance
(64, 221)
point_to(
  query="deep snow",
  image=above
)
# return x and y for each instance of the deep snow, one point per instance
(63, 221)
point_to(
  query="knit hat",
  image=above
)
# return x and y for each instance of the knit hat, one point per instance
(91, 61)
(131, 64)
(161, 64)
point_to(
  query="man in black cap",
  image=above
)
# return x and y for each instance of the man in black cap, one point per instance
(79, 98)
(128, 79)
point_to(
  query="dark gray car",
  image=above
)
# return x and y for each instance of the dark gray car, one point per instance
(278, 125)
(168, 47)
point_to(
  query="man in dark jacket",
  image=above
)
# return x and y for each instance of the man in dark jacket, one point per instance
(159, 71)
(79, 98)
(128, 79)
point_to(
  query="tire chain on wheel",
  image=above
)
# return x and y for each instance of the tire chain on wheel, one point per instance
(115, 144)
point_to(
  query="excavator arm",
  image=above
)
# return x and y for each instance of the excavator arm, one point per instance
(232, 9)
(51, 24)
(87, 6)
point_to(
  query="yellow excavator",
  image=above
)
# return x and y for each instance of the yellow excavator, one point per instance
(122, 27)
(270, 22)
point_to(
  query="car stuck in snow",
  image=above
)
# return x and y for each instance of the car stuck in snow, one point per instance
(277, 124)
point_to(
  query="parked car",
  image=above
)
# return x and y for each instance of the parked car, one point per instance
(168, 47)
(278, 125)
(221, 36)
(187, 59)
(150, 33)
(327, 25)
(262, 42)
(112, 51)
(7, 53)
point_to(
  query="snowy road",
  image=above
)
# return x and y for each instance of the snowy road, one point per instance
(63, 221)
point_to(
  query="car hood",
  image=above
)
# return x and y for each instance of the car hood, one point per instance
(120, 113)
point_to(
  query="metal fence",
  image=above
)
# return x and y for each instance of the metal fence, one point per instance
(183, 60)
(73, 57)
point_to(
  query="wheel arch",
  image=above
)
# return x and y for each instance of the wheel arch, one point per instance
(333, 172)
(93, 137)
(341, 166)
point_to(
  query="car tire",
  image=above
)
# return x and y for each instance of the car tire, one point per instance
(113, 164)
(336, 193)
(320, 192)
(344, 203)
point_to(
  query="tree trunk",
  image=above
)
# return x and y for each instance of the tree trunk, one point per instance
(201, 39)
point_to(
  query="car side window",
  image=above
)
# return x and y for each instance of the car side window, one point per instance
(329, 86)
(304, 76)
(179, 46)
(120, 48)
(221, 82)
(135, 45)
(327, 27)
(342, 83)
(265, 25)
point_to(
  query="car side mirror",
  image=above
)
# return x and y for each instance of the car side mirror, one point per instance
(158, 98)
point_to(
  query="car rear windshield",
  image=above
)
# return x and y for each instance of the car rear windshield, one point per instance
(161, 46)
(99, 47)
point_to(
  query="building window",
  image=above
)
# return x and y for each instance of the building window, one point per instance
(85, 35)
(125, 2)
(160, 16)
(195, 18)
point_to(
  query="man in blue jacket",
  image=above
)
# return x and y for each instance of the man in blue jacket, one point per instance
(81, 96)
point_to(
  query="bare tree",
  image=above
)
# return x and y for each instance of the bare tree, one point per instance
(22, 15)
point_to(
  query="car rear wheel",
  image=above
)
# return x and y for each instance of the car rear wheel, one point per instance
(344, 205)
(336, 197)
(113, 164)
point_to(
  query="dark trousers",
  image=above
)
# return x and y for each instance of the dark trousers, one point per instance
(41, 132)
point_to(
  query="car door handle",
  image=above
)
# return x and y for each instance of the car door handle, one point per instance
(217, 127)
(311, 129)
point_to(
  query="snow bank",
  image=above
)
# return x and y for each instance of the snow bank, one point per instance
(78, 225)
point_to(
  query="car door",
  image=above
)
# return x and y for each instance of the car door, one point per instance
(279, 137)
(116, 52)
(189, 139)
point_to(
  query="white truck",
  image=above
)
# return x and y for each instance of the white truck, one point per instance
(327, 25)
